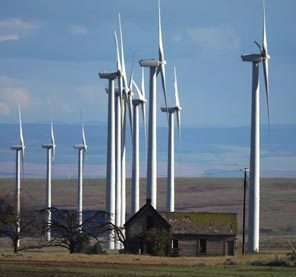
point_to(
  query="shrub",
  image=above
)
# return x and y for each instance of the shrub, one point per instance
(289, 261)
(157, 242)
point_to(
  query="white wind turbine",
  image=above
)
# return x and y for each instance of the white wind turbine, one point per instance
(125, 88)
(254, 188)
(156, 67)
(110, 166)
(20, 148)
(135, 162)
(82, 148)
(171, 146)
(50, 158)
(118, 140)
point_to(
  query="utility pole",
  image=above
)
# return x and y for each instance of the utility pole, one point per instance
(245, 170)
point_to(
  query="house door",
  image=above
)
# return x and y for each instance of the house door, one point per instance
(202, 247)
(230, 247)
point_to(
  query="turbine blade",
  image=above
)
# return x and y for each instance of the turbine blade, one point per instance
(52, 140)
(21, 127)
(265, 66)
(160, 43)
(143, 83)
(163, 81)
(144, 119)
(266, 81)
(178, 117)
(83, 132)
(21, 134)
(140, 95)
(130, 111)
(264, 38)
(176, 89)
(132, 73)
(117, 52)
(122, 54)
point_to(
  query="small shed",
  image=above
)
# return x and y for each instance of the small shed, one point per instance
(191, 233)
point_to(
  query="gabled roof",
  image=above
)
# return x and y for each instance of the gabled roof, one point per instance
(201, 223)
(144, 208)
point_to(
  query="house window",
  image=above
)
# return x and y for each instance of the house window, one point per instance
(150, 222)
(202, 247)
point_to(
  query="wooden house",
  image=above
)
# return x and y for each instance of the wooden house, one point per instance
(191, 233)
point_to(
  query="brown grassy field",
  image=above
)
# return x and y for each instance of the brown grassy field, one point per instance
(278, 200)
(61, 264)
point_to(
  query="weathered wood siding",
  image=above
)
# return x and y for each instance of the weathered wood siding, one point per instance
(187, 247)
(215, 247)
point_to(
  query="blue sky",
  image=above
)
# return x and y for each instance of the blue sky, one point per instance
(51, 52)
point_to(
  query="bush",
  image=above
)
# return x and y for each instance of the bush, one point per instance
(289, 261)
(157, 242)
(84, 246)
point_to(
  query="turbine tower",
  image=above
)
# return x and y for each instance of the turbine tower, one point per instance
(156, 67)
(50, 158)
(171, 147)
(20, 148)
(82, 148)
(126, 105)
(135, 162)
(254, 188)
(110, 167)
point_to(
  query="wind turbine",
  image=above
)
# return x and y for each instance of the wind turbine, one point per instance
(156, 67)
(135, 162)
(50, 158)
(20, 148)
(125, 88)
(82, 148)
(118, 137)
(171, 145)
(254, 187)
(110, 167)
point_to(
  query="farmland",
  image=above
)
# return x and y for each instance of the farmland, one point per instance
(278, 227)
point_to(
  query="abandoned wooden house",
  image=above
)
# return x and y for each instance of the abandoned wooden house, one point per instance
(191, 233)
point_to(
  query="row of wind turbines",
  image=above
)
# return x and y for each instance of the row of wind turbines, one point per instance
(123, 104)
(51, 150)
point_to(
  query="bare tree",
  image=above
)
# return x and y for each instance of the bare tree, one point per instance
(10, 220)
(69, 234)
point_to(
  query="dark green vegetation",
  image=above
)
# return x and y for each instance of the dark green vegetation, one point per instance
(9, 268)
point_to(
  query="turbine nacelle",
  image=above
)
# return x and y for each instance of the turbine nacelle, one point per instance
(108, 75)
(48, 146)
(171, 109)
(17, 147)
(149, 63)
(80, 146)
(256, 58)
(137, 102)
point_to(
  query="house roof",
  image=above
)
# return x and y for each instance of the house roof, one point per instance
(201, 223)
(142, 210)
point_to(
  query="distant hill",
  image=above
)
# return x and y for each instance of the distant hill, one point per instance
(203, 151)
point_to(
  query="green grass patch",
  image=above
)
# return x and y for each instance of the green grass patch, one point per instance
(12, 268)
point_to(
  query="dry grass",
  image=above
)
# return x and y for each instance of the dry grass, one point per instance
(131, 259)
(278, 200)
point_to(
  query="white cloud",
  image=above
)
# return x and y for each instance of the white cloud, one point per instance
(16, 28)
(214, 38)
(12, 92)
(78, 30)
